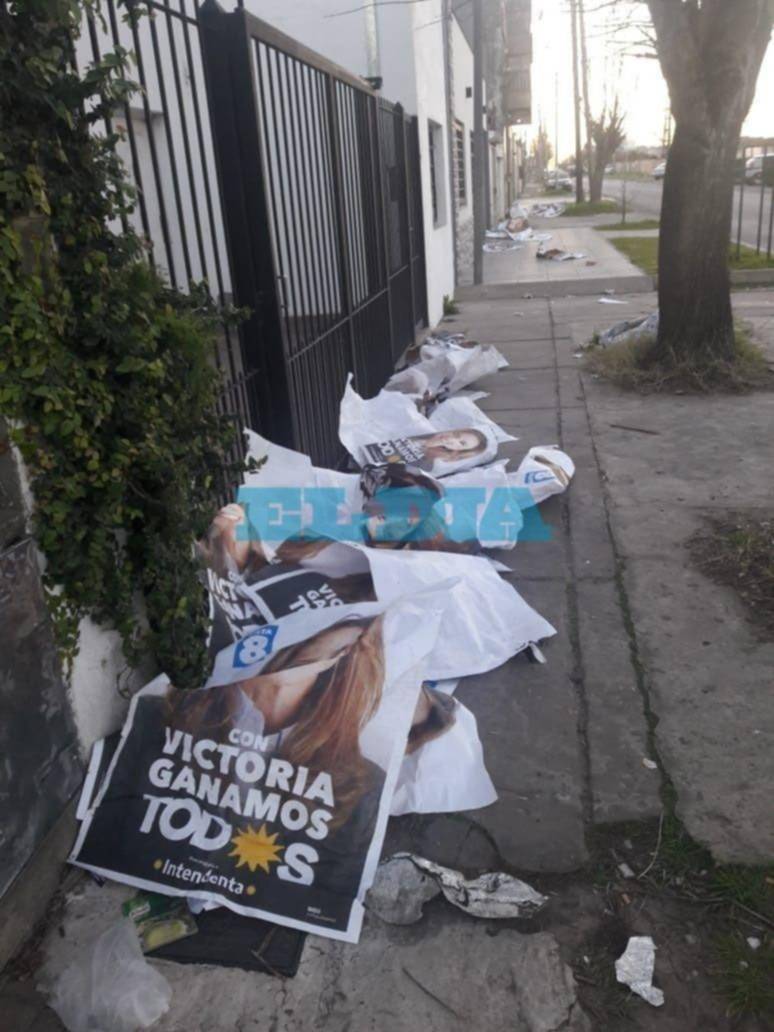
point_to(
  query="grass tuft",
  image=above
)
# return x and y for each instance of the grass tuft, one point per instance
(745, 975)
(632, 367)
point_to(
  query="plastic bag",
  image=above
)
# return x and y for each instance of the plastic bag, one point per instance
(111, 987)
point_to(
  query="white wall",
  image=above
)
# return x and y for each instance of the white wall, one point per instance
(99, 669)
(396, 30)
(431, 105)
(320, 25)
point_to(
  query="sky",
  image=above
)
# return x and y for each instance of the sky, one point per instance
(640, 85)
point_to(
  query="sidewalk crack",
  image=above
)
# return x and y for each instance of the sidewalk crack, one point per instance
(577, 675)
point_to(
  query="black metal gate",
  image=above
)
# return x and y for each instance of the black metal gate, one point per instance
(320, 181)
(166, 144)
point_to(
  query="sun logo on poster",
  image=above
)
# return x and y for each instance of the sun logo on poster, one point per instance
(255, 849)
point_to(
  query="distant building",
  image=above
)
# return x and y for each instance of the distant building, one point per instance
(507, 60)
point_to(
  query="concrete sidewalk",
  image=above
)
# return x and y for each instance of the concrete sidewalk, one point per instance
(637, 672)
(654, 677)
(601, 260)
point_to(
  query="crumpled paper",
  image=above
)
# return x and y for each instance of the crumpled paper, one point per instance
(404, 883)
(635, 968)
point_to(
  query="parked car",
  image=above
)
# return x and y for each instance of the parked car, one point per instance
(759, 166)
(660, 170)
(609, 170)
(558, 179)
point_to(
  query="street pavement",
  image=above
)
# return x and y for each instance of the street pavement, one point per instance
(643, 196)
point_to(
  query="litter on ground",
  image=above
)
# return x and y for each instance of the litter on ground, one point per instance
(405, 882)
(635, 968)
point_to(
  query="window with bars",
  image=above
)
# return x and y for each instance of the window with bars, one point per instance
(460, 179)
(436, 165)
(433, 190)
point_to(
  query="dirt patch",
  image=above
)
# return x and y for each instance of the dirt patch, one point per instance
(738, 550)
(655, 880)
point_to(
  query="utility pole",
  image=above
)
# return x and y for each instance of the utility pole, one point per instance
(450, 130)
(585, 87)
(556, 120)
(576, 105)
(479, 143)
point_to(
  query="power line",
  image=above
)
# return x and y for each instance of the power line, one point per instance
(377, 3)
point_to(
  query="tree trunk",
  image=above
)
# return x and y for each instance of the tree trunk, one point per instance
(696, 321)
(595, 180)
(710, 54)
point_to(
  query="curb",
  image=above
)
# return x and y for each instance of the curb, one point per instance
(557, 288)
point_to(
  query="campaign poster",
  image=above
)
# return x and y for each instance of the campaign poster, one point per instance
(247, 589)
(268, 789)
(438, 453)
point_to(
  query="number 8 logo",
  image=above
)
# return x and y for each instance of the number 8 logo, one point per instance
(254, 647)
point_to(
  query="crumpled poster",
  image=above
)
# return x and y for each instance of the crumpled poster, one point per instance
(544, 471)
(267, 790)
(465, 511)
(456, 435)
(443, 770)
(446, 363)
(404, 882)
(486, 622)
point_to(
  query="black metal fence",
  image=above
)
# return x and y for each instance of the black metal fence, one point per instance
(167, 149)
(754, 200)
(323, 215)
(289, 186)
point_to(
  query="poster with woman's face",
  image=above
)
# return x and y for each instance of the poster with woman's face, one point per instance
(268, 789)
(440, 453)
(403, 509)
(246, 589)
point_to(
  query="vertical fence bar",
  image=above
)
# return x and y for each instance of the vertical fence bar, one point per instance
(186, 142)
(409, 213)
(301, 225)
(170, 146)
(741, 204)
(341, 234)
(108, 120)
(136, 170)
(323, 131)
(131, 4)
(236, 376)
(382, 191)
(311, 206)
(762, 198)
(231, 91)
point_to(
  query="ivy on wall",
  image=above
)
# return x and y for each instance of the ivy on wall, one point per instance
(106, 372)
